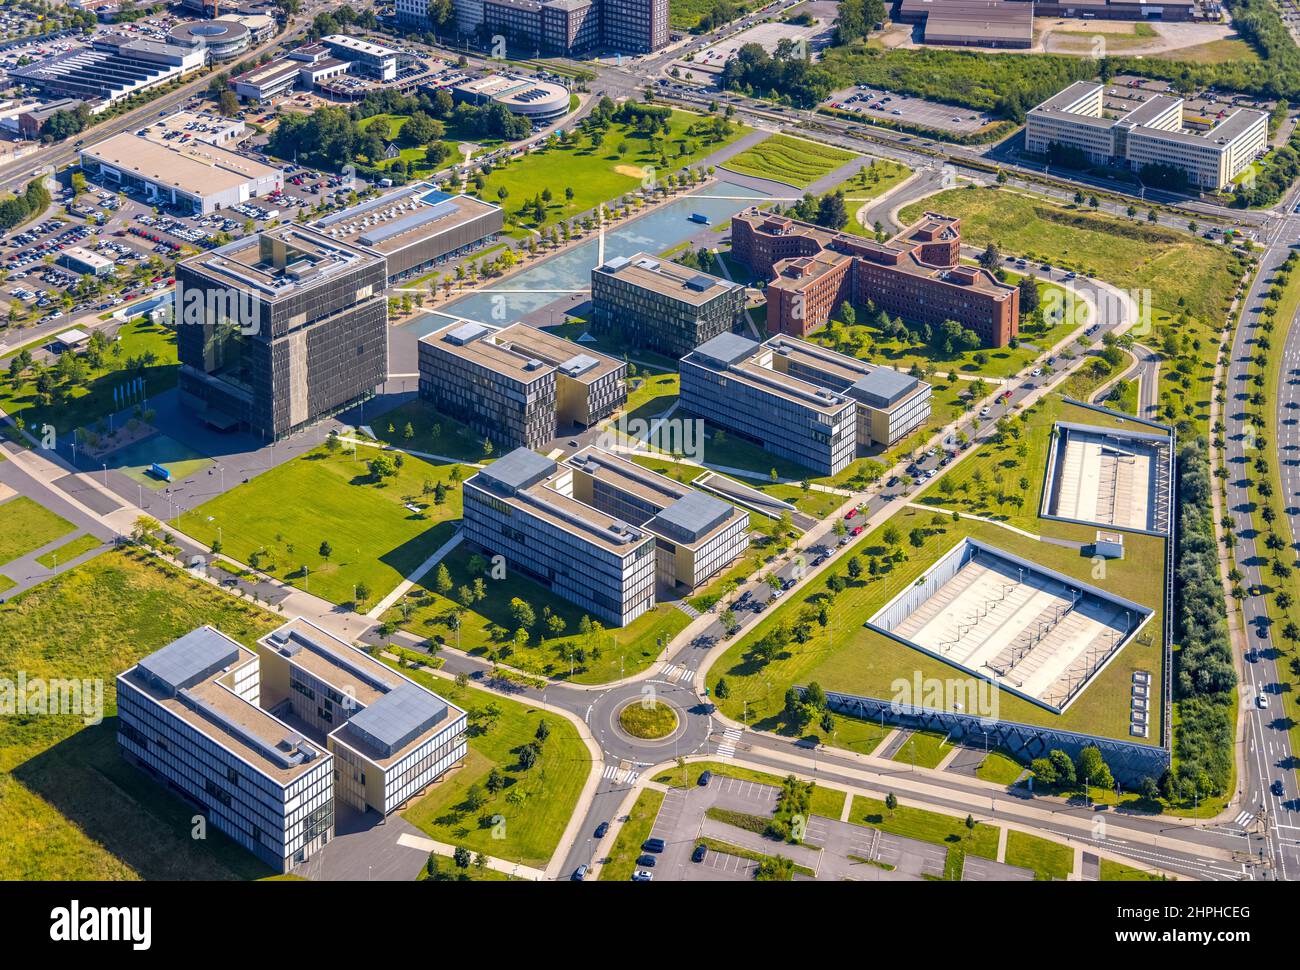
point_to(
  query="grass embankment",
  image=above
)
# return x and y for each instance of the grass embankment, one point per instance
(627, 846)
(794, 161)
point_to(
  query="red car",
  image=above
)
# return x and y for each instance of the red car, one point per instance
(857, 530)
(852, 513)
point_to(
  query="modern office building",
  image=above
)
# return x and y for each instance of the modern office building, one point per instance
(565, 27)
(271, 744)
(890, 403)
(415, 227)
(662, 305)
(188, 175)
(1151, 134)
(522, 507)
(112, 68)
(268, 81)
(917, 275)
(733, 382)
(278, 329)
(600, 530)
(376, 61)
(517, 385)
(219, 40)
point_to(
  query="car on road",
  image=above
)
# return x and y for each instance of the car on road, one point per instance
(893, 480)
(857, 530)
(1277, 788)
(706, 776)
(985, 411)
(643, 875)
(1261, 700)
(1036, 372)
(699, 853)
(653, 845)
(579, 873)
(851, 513)
(602, 830)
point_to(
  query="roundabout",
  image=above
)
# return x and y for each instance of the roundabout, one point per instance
(648, 720)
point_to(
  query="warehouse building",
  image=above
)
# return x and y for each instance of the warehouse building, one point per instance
(280, 328)
(971, 23)
(917, 275)
(190, 176)
(271, 745)
(1151, 134)
(516, 385)
(416, 227)
(733, 382)
(662, 305)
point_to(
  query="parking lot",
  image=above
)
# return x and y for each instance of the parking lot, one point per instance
(880, 104)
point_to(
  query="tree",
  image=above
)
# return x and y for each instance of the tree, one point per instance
(891, 803)
(991, 259)
(475, 798)
(1092, 769)
(326, 550)
(442, 579)
(522, 613)
(461, 857)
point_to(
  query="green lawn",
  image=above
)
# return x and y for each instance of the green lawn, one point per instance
(650, 393)
(431, 432)
(524, 827)
(488, 626)
(999, 769)
(686, 14)
(1172, 265)
(923, 749)
(927, 826)
(448, 870)
(1048, 859)
(847, 656)
(623, 855)
(795, 161)
(69, 551)
(84, 403)
(287, 512)
(1112, 871)
(596, 175)
(72, 808)
(26, 525)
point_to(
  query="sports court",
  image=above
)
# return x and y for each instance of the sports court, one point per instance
(1108, 477)
(1027, 628)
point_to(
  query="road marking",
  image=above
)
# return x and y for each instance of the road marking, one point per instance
(727, 747)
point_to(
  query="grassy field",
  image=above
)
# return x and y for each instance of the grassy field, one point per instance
(849, 657)
(488, 626)
(447, 869)
(686, 14)
(923, 750)
(84, 403)
(596, 175)
(1112, 871)
(1048, 859)
(70, 807)
(26, 525)
(287, 512)
(927, 826)
(623, 855)
(523, 821)
(431, 432)
(68, 551)
(652, 720)
(1172, 265)
(1231, 48)
(794, 161)
(999, 769)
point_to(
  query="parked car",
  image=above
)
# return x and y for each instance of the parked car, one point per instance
(646, 861)
(699, 853)
(579, 874)
(653, 845)
(706, 776)
(602, 830)
(643, 875)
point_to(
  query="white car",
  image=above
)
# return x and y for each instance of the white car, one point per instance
(1036, 372)
(643, 875)
(1261, 700)
(985, 411)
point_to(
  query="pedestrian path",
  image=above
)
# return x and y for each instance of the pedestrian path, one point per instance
(1245, 820)
(621, 775)
(686, 608)
(681, 674)
(422, 570)
(406, 840)
(727, 747)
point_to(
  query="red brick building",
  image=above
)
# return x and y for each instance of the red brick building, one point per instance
(916, 275)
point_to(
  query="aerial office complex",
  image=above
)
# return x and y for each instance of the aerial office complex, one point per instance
(191, 176)
(272, 744)
(916, 275)
(560, 26)
(599, 530)
(517, 385)
(661, 305)
(524, 96)
(280, 329)
(1150, 135)
(415, 227)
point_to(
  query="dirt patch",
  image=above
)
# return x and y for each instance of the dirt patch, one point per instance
(631, 171)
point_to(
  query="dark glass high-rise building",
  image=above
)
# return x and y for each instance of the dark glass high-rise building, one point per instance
(279, 329)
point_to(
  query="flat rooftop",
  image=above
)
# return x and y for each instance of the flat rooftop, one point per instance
(668, 278)
(270, 72)
(541, 487)
(882, 388)
(521, 352)
(1035, 632)
(196, 168)
(1109, 477)
(740, 358)
(403, 218)
(277, 262)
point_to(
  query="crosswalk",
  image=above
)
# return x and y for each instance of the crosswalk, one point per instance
(680, 674)
(727, 746)
(621, 775)
(1244, 820)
